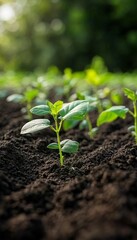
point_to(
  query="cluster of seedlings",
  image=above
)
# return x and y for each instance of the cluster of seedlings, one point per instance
(105, 99)
(68, 115)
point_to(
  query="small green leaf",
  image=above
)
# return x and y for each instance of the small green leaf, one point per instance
(130, 94)
(64, 141)
(131, 128)
(69, 124)
(40, 110)
(116, 97)
(15, 98)
(56, 107)
(35, 126)
(80, 96)
(30, 94)
(74, 110)
(83, 124)
(53, 146)
(70, 146)
(111, 114)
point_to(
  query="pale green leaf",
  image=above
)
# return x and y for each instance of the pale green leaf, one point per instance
(74, 110)
(15, 98)
(130, 94)
(40, 110)
(56, 107)
(30, 94)
(69, 124)
(112, 114)
(35, 126)
(53, 146)
(70, 146)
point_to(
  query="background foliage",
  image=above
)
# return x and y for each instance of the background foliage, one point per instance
(69, 34)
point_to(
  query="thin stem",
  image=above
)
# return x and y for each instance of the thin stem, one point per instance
(28, 110)
(58, 140)
(89, 126)
(99, 104)
(131, 113)
(135, 119)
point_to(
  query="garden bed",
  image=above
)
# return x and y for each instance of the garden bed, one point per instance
(93, 197)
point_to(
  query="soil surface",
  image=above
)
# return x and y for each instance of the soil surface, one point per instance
(93, 197)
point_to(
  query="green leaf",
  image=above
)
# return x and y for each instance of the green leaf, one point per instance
(131, 128)
(15, 98)
(35, 126)
(75, 110)
(83, 124)
(69, 124)
(30, 94)
(56, 107)
(53, 146)
(130, 94)
(80, 96)
(69, 146)
(111, 114)
(64, 141)
(40, 110)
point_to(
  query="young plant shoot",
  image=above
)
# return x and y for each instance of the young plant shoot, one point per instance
(26, 98)
(100, 92)
(86, 122)
(114, 112)
(60, 112)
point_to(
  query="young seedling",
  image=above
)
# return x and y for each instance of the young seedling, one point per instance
(133, 97)
(86, 122)
(60, 112)
(26, 98)
(114, 112)
(97, 82)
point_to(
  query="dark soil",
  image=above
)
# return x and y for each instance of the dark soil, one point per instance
(93, 197)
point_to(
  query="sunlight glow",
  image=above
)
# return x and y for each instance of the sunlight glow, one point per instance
(6, 12)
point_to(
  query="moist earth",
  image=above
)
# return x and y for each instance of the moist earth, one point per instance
(93, 197)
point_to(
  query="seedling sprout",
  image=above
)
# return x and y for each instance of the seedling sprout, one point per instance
(60, 112)
(26, 98)
(114, 112)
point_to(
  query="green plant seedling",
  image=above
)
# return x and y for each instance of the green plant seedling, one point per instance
(133, 97)
(98, 81)
(86, 122)
(60, 112)
(114, 112)
(26, 98)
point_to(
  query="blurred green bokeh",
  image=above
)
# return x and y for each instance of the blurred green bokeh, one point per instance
(65, 33)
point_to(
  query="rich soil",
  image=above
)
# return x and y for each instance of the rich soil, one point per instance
(93, 197)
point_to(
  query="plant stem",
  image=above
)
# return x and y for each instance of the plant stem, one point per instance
(135, 119)
(28, 111)
(99, 104)
(58, 140)
(89, 126)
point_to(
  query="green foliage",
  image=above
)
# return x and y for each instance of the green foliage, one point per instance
(132, 95)
(85, 122)
(60, 112)
(112, 114)
(35, 126)
(27, 98)
(75, 31)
